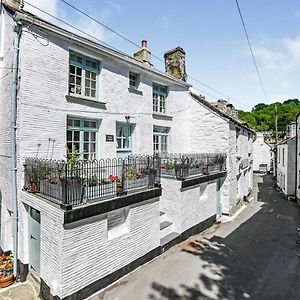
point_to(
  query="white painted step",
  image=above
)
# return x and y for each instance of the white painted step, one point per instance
(166, 227)
(162, 216)
(168, 238)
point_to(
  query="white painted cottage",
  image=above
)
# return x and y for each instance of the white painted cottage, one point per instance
(261, 154)
(286, 166)
(61, 91)
(297, 174)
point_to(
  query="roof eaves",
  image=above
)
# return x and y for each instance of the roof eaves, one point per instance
(85, 42)
(215, 109)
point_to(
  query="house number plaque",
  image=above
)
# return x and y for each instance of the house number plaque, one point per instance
(109, 138)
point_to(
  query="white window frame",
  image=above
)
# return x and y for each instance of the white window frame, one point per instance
(85, 68)
(160, 136)
(159, 98)
(82, 129)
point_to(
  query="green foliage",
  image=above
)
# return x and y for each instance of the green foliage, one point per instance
(262, 116)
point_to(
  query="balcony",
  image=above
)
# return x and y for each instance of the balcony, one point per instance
(188, 165)
(75, 183)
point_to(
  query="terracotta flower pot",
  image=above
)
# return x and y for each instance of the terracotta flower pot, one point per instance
(7, 280)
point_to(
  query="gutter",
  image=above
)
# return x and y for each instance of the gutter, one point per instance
(14, 93)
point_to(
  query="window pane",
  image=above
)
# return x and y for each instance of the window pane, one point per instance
(72, 79)
(92, 147)
(93, 124)
(76, 136)
(87, 92)
(119, 141)
(87, 83)
(77, 123)
(86, 123)
(78, 71)
(76, 145)
(69, 122)
(93, 93)
(86, 136)
(86, 147)
(72, 69)
(87, 74)
(78, 80)
(69, 135)
(93, 75)
(93, 84)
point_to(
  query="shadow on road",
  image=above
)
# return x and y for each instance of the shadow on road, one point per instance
(258, 260)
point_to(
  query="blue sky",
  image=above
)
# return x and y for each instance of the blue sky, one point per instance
(212, 36)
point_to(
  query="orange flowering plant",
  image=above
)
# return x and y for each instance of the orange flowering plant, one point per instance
(6, 265)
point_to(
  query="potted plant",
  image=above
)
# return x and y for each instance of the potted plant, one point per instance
(6, 270)
(36, 174)
(168, 169)
(52, 187)
(134, 180)
(95, 188)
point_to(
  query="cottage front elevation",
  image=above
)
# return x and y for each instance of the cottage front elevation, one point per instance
(101, 154)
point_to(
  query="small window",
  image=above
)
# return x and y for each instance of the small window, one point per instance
(133, 80)
(83, 73)
(159, 98)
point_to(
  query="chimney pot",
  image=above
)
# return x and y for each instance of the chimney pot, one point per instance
(144, 44)
(143, 54)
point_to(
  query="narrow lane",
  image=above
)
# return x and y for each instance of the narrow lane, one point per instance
(252, 256)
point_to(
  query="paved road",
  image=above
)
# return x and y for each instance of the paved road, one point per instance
(251, 256)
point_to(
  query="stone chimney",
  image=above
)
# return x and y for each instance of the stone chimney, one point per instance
(143, 54)
(175, 63)
(13, 4)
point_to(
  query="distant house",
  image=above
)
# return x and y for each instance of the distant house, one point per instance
(286, 166)
(261, 154)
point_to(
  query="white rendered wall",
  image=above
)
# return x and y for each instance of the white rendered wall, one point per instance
(189, 207)
(298, 160)
(84, 247)
(261, 153)
(286, 169)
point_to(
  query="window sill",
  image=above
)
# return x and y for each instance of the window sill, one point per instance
(135, 91)
(161, 116)
(85, 101)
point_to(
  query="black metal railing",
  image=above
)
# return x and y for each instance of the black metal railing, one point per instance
(79, 182)
(184, 165)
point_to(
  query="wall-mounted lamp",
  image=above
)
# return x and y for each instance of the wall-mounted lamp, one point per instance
(127, 118)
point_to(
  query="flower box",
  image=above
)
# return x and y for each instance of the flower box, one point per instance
(72, 190)
(171, 173)
(136, 184)
(214, 168)
(99, 191)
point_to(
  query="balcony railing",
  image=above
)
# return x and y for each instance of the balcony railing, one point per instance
(183, 166)
(83, 181)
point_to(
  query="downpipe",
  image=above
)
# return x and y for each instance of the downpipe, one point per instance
(14, 94)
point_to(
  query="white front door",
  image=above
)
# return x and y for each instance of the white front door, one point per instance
(34, 231)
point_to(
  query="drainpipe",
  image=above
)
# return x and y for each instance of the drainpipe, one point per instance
(14, 94)
(296, 171)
